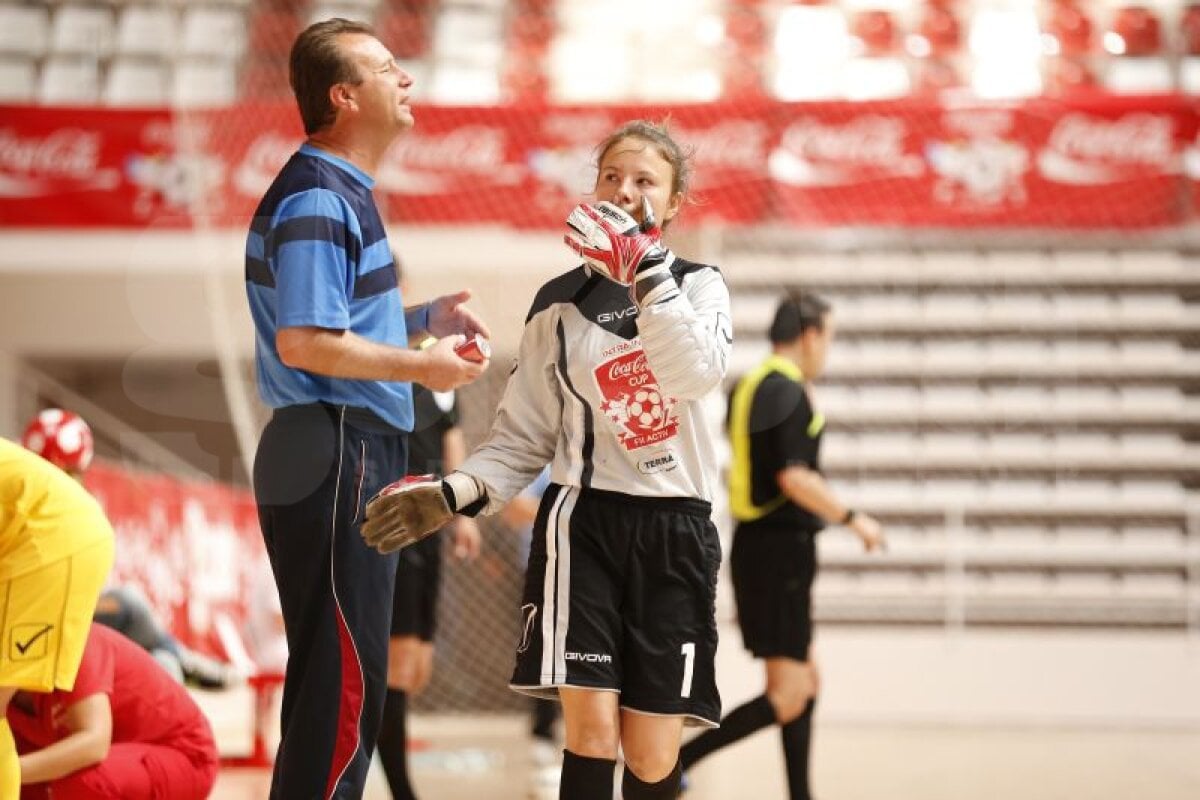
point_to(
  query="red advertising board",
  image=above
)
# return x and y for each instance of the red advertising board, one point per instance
(1093, 162)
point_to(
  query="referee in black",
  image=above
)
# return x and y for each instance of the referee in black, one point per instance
(781, 502)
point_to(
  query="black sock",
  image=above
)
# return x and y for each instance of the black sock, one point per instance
(585, 778)
(393, 744)
(797, 741)
(738, 724)
(634, 788)
(544, 714)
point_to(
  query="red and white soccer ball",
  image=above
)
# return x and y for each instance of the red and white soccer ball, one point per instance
(62, 438)
(646, 408)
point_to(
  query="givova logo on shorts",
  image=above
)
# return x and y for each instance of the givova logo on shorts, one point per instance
(590, 658)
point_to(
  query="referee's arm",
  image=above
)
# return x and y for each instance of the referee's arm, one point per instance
(808, 489)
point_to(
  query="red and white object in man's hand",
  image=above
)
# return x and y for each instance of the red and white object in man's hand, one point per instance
(475, 348)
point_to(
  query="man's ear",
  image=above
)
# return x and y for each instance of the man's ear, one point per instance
(341, 96)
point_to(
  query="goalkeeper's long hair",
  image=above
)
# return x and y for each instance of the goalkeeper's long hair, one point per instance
(658, 136)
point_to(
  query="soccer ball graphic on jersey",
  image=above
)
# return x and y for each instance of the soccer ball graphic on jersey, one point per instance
(632, 401)
(62, 438)
(646, 408)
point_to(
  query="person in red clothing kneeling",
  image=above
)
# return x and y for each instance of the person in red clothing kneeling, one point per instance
(127, 730)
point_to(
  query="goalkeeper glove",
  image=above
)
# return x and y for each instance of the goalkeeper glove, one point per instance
(408, 510)
(612, 242)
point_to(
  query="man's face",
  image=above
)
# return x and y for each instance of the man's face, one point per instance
(381, 98)
(815, 347)
(633, 169)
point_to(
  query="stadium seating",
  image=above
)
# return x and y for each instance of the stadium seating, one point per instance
(1022, 431)
(82, 30)
(18, 79)
(24, 29)
(147, 30)
(478, 52)
(136, 82)
(69, 80)
(1140, 63)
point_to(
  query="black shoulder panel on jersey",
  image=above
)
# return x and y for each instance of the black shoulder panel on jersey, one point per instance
(683, 267)
(608, 304)
(562, 289)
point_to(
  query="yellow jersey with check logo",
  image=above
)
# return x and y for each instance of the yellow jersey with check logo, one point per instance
(45, 514)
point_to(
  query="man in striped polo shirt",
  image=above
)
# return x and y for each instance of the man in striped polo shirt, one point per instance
(333, 361)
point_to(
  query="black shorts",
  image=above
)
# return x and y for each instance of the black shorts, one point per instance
(418, 579)
(773, 573)
(620, 596)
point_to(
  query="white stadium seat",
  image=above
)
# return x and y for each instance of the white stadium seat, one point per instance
(23, 29)
(83, 30)
(213, 31)
(69, 80)
(18, 79)
(136, 82)
(204, 84)
(147, 30)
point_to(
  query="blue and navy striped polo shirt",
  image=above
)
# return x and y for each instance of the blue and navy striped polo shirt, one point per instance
(317, 255)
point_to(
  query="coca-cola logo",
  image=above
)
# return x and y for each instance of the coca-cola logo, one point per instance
(1139, 138)
(640, 413)
(815, 153)
(979, 123)
(625, 370)
(265, 156)
(869, 139)
(581, 128)
(65, 153)
(474, 148)
(738, 143)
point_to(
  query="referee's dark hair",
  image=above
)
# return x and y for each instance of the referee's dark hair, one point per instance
(797, 312)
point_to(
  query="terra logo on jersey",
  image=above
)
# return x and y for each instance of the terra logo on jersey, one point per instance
(659, 462)
(641, 413)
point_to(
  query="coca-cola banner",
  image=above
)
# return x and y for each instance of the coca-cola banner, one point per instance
(1095, 162)
(193, 549)
(1110, 162)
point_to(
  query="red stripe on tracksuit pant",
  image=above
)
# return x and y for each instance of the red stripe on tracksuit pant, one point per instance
(315, 469)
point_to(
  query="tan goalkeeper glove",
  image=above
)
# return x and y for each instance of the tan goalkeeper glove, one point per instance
(407, 511)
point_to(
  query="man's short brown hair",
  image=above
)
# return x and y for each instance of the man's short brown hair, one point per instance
(316, 64)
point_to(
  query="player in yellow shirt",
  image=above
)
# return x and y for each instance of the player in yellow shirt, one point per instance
(56, 549)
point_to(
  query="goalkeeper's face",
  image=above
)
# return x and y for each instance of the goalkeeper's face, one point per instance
(632, 169)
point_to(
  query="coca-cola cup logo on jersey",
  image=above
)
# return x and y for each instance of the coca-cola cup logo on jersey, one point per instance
(1083, 149)
(633, 402)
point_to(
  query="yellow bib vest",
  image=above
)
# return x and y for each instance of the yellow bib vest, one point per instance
(741, 500)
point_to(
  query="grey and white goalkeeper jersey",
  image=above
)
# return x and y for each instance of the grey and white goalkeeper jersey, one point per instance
(610, 395)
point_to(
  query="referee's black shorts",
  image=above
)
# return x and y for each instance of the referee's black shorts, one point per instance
(773, 571)
(418, 579)
(620, 596)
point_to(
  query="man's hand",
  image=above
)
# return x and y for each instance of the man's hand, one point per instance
(612, 241)
(405, 512)
(445, 369)
(448, 315)
(467, 540)
(869, 531)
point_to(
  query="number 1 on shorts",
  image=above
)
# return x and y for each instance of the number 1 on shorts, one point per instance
(689, 656)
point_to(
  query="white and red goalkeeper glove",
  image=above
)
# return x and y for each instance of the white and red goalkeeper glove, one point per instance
(612, 242)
